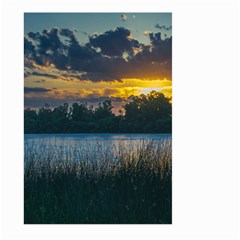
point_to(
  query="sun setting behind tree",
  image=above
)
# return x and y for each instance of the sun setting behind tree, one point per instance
(88, 57)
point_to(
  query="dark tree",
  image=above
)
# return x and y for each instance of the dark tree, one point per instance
(151, 113)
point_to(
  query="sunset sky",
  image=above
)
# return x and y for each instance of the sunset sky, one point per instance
(95, 56)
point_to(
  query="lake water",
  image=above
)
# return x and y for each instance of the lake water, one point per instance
(56, 139)
(93, 146)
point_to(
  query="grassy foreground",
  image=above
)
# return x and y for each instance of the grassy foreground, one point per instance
(120, 186)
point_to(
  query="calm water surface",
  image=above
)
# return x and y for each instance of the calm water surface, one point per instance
(92, 145)
(68, 140)
(60, 138)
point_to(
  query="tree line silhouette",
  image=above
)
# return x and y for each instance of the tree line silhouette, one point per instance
(151, 113)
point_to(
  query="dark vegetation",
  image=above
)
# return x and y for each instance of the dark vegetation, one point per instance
(100, 183)
(134, 188)
(150, 113)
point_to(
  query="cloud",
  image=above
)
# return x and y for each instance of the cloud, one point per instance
(123, 17)
(162, 27)
(36, 102)
(49, 48)
(28, 46)
(100, 76)
(44, 75)
(35, 97)
(114, 43)
(109, 56)
(36, 90)
(147, 32)
(40, 81)
(100, 99)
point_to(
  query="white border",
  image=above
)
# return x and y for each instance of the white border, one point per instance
(205, 124)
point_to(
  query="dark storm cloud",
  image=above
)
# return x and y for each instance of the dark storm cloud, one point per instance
(110, 56)
(49, 40)
(28, 46)
(36, 90)
(49, 48)
(162, 27)
(64, 55)
(115, 43)
(161, 49)
(99, 76)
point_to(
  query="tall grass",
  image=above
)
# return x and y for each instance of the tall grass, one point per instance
(98, 183)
